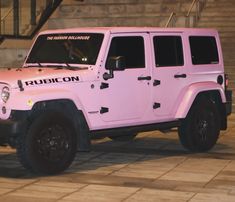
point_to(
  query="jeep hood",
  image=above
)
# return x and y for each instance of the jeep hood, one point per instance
(43, 75)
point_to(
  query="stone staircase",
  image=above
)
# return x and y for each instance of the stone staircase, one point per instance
(75, 13)
(90, 13)
(220, 14)
(18, 34)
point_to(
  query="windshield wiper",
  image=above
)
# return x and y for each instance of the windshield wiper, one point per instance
(57, 66)
(36, 64)
(69, 67)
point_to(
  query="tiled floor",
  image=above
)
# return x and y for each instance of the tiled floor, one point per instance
(153, 167)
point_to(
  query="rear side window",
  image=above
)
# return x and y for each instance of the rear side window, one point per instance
(168, 51)
(132, 48)
(203, 50)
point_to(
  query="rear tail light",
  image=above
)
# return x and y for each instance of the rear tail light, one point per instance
(226, 81)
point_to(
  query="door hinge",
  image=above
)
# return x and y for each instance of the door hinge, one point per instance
(104, 85)
(156, 82)
(104, 110)
(156, 105)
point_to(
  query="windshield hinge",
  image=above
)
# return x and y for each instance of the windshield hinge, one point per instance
(20, 84)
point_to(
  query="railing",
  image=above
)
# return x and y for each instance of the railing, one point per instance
(191, 17)
(3, 20)
(171, 20)
(23, 18)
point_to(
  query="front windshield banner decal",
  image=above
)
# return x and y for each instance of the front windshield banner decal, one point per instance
(68, 38)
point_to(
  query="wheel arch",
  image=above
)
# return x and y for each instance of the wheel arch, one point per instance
(60, 104)
(200, 130)
(70, 110)
(209, 89)
(28, 99)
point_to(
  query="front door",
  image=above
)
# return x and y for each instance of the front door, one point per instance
(126, 96)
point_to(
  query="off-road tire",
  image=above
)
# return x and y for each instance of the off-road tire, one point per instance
(49, 145)
(200, 130)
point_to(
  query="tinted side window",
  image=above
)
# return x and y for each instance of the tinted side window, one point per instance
(132, 48)
(168, 51)
(203, 50)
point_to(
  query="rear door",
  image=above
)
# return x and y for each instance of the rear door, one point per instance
(169, 72)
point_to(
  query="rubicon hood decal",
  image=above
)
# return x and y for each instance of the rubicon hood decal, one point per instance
(52, 80)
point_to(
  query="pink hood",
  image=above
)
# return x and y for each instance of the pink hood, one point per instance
(11, 76)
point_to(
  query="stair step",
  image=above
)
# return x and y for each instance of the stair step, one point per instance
(121, 21)
(228, 8)
(217, 23)
(145, 8)
(227, 34)
(109, 10)
(217, 5)
(217, 19)
(220, 27)
(89, 2)
(218, 13)
(229, 56)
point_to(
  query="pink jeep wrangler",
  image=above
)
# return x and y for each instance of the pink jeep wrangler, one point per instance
(76, 84)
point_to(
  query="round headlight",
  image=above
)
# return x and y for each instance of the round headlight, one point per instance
(5, 94)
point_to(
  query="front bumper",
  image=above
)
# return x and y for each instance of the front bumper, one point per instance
(9, 129)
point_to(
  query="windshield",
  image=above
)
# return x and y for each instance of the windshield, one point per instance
(69, 48)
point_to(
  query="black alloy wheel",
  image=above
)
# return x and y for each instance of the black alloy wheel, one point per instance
(200, 130)
(50, 145)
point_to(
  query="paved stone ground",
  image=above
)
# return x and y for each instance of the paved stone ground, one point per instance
(154, 167)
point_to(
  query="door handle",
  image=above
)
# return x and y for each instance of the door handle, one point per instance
(180, 75)
(141, 78)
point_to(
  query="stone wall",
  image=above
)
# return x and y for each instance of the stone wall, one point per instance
(116, 13)
(90, 13)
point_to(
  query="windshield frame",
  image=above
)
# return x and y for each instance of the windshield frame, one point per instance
(28, 63)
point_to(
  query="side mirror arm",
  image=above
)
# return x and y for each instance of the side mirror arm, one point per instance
(109, 75)
(115, 63)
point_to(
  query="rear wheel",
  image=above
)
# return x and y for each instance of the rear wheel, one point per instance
(200, 130)
(49, 146)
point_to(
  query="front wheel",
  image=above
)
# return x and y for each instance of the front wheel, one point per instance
(200, 130)
(49, 146)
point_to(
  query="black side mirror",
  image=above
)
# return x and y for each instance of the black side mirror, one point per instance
(116, 63)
